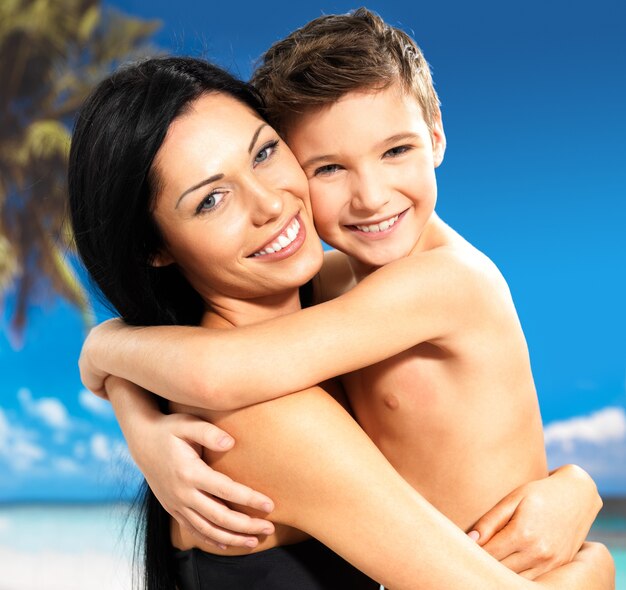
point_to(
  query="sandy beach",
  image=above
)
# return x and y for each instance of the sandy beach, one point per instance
(51, 570)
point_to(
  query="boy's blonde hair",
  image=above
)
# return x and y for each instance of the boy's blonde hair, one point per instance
(336, 54)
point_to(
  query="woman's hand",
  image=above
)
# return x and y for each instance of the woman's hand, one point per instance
(542, 524)
(168, 450)
(170, 457)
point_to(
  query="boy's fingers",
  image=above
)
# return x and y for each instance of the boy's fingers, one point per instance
(220, 485)
(524, 566)
(501, 546)
(493, 521)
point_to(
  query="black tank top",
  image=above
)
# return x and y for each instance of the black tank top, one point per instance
(302, 566)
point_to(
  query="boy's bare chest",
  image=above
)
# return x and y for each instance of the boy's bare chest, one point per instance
(416, 385)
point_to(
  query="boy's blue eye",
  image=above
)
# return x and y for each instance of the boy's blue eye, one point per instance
(397, 151)
(265, 153)
(326, 170)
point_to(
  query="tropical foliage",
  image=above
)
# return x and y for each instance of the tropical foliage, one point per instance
(52, 52)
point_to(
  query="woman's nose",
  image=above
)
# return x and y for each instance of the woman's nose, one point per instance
(267, 204)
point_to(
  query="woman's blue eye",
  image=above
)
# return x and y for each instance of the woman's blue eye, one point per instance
(209, 202)
(266, 152)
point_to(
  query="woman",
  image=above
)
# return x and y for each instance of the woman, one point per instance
(148, 145)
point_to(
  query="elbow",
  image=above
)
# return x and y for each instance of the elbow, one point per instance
(587, 480)
(207, 390)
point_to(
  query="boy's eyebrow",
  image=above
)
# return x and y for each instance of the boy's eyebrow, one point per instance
(317, 159)
(216, 177)
(399, 137)
(208, 180)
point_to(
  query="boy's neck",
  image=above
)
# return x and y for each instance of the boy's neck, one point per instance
(431, 237)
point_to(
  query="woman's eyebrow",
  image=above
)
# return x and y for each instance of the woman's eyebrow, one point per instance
(216, 177)
(208, 180)
(256, 136)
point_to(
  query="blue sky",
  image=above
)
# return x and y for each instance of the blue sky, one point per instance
(533, 100)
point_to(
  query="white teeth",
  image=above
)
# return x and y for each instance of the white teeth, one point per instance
(378, 227)
(283, 240)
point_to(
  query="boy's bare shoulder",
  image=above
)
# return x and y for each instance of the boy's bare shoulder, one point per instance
(457, 257)
(335, 277)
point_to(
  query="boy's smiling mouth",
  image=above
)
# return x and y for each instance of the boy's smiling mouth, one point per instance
(379, 228)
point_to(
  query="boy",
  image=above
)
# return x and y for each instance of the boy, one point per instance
(453, 408)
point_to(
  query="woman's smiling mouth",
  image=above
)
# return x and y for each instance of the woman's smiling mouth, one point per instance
(284, 244)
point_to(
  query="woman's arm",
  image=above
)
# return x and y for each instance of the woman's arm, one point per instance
(168, 450)
(416, 299)
(328, 479)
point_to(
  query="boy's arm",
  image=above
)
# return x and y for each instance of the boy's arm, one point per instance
(432, 297)
(167, 449)
(542, 524)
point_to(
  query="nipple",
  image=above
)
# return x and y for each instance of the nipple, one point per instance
(391, 401)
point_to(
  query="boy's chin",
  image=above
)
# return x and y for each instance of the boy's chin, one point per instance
(377, 258)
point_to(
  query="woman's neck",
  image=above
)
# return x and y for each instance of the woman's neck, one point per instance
(226, 312)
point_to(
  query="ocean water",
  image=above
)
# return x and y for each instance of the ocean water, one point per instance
(89, 547)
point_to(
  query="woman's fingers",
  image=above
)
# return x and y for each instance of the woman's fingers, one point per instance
(205, 434)
(202, 432)
(223, 487)
(225, 536)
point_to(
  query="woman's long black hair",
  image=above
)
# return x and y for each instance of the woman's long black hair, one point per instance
(112, 183)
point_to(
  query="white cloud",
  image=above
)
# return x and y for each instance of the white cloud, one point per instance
(66, 465)
(606, 425)
(94, 404)
(49, 410)
(4, 430)
(18, 448)
(596, 442)
(100, 447)
(80, 450)
(24, 454)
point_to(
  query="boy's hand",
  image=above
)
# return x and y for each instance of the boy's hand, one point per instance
(169, 456)
(593, 567)
(542, 524)
(91, 376)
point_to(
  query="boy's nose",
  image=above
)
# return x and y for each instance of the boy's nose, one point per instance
(368, 194)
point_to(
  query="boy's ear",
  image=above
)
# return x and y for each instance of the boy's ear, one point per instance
(439, 141)
(162, 258)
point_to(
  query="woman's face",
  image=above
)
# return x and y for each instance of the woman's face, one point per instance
(232, 204)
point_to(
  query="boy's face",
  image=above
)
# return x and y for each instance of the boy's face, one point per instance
(370, 161)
